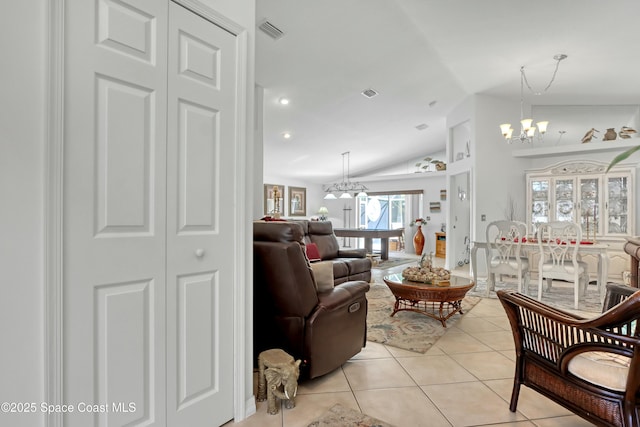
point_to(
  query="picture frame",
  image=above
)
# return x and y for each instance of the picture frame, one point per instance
(297, 201)
(269, 201)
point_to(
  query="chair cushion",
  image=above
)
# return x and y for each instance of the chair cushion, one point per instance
(323, 275)
(607, 370)
(567, 267)
(512, 262)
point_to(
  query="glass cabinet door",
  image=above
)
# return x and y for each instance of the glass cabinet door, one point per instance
(589, 207)
(540, 202)
(564, 200)
(617, 205)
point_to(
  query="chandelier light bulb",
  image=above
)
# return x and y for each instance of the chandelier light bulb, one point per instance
(505, 127)
(526, 124)
(542, 126)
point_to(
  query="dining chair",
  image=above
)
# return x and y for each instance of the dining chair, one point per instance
(559, 244)
(504, 256)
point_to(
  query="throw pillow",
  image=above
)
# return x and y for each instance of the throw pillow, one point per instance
(312, 252)
(323, 275)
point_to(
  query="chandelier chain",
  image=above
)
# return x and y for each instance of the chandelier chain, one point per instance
(558, 58)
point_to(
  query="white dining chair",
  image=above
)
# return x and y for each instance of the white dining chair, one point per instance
(559, 245)
(504, 253)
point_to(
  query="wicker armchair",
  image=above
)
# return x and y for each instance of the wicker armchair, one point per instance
(589, 366)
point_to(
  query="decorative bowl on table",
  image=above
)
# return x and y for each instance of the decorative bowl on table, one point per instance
(431, 275)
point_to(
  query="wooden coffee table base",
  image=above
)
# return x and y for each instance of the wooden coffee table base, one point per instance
(439, 311)
(437, 302)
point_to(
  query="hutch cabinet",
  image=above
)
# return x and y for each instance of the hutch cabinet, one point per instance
(602, 203)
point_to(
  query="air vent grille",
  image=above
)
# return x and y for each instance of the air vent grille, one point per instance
(271, 30)
(422, 126)
(369, 93)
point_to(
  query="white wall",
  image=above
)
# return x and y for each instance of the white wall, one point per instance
(22, 125)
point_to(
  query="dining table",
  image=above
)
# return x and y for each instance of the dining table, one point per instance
(531, 247)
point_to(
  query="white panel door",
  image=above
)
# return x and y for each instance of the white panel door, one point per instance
(148, 243)
(201, 247)
(115, 209)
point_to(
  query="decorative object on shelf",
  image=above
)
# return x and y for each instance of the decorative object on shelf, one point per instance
(527, 131)
(589, 135)
(298, 201)
(434, 206)
(467, 149)
(418, 238)
(626, 132)
(443, 194)
(610, 135)
(425, 165)
(323, 212)
(346, 187)
(273, 205)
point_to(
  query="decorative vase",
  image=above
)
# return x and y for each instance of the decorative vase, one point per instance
(418, 241)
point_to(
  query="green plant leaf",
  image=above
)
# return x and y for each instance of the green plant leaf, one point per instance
(622, 156)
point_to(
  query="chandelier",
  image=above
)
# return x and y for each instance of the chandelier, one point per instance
(346, 187)
(527, 131)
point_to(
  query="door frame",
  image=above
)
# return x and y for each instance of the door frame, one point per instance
(54, 213)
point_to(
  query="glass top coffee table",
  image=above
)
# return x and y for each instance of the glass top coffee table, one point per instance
(438, 301)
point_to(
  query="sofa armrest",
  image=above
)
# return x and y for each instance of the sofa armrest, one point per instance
(342, 295)
(352, 253)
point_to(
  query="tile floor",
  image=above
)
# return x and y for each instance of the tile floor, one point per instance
(465, 379)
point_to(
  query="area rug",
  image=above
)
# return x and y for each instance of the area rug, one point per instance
(339, 416)
(560, 296)
(407, 330)
(392, 262)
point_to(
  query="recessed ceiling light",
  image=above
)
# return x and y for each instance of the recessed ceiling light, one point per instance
(422, 126)
(286, 135)
(284, 101)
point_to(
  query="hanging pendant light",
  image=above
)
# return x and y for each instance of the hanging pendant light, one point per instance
(346, 187)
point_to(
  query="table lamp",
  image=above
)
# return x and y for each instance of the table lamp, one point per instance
(323, 212)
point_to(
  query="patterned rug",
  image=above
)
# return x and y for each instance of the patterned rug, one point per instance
(407, 330)
(560, 296)
(339, 416)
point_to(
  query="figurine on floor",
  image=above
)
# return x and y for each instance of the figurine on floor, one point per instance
(277, 378)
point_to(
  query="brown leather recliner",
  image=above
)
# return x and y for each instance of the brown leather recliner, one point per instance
(323, 329)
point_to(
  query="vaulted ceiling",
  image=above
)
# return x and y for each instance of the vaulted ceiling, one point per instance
(423, 57)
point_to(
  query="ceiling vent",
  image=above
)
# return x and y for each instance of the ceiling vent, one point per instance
(369, 93)
(271, 30)
(422, 126)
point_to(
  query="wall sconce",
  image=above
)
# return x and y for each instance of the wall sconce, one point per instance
(323, 212)
(462, 194)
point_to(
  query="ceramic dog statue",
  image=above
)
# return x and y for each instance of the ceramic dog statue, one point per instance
(277, 378)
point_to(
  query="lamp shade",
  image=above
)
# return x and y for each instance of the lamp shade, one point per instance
(330, 196)
(323, 210)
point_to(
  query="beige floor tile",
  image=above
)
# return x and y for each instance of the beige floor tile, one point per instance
(373, 350)
(311, 406)
(335, 381)
(470, 404)
(399, 353)
(406, 406)
(497, 340)
(376, 373)
(510, 354)
(530, 403)
(501, 321)
(261, 418)
(486, 365)
(474, 325)
(452, 343)
(570, 421)
(440, 369)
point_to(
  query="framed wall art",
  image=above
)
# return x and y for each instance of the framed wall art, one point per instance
(297, 201)
(274, 200)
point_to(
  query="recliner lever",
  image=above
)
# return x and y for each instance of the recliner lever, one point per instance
(354, 307)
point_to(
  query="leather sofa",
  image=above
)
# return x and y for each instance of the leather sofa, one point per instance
(322, 328)
(348, 264)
